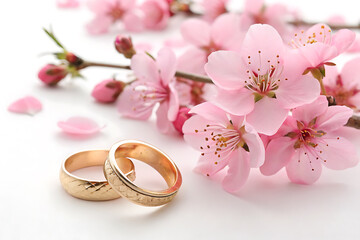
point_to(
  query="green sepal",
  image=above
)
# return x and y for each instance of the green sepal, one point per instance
(52, 36)
(257, 97)
(291, 135)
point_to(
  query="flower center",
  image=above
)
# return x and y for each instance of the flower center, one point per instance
(301, 39)
(222, 141)
(149, 94)
(212, 47)
(342, 95)
(116, 13)
(264, 83)
(306, 135)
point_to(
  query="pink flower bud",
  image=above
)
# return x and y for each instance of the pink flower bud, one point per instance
(52, 74)
(73, 59)
(182, 116)
(108, 90)
(124, 46)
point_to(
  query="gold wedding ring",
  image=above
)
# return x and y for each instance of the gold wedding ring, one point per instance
(120, 182)
(95, 190)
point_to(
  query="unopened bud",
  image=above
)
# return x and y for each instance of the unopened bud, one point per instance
(125, 46)
(182, 116)
(73, 59)
(108, 90)
(52, 74)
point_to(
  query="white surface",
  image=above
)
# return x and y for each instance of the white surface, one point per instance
(34, 206)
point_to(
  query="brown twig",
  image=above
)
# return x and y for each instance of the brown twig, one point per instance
(332, 26)
(193, 77)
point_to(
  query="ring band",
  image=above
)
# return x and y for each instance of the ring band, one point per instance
(150, 155)
(94, 190)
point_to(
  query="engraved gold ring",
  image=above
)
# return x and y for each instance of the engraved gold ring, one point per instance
(94, 190)
(121, 183)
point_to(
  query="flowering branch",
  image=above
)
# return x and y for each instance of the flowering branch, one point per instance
(353, 122)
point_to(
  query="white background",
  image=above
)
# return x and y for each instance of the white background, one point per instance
(33, 204)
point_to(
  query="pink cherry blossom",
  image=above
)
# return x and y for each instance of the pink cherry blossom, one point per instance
(80, 126)
(107, 91)
(191, 92)
(67, 3)
(223, 140)
(214, 8)
(107, 12)
(313, 138)
(51, 74)
(156, 14)
(318, 45)
(345, 87)
(276, 15)
(28, 105)
(224, 34)
(155, 86)
(264, 81)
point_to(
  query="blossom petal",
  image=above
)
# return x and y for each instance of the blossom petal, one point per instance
(278, 153)
(267, 117)
(227, 70)
(337, 153)
(99, 7)
(303, 168)
(130, 104)
(193, 133)
(334, 118)
(226, 32)
(196, 32)
(133, 21)
(28, 105)
(192, 61)
(320, 32)
(144, 68)
(296, 92)
(238, 102)
(79, 126)
(318, 53)
(308, 112)
(343, 39)
(331, 76)
(67, 3)
(256, 149)
(209, 164)
(162, 120)
(238, 173)
(211, 112)
(350, 75)
(262, 53)
(99, 25)
(166, 63)
(173, 103)
(253, 7)
(355, 100)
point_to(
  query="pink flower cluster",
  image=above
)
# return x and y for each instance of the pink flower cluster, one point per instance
(267, 112)
(150, 14)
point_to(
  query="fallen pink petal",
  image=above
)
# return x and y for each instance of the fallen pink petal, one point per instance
(26, 105)
(80, 126)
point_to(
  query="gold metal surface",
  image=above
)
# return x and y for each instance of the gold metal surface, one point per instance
(86, 189)
(150, 155)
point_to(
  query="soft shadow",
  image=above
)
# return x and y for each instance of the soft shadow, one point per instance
(279, 193)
